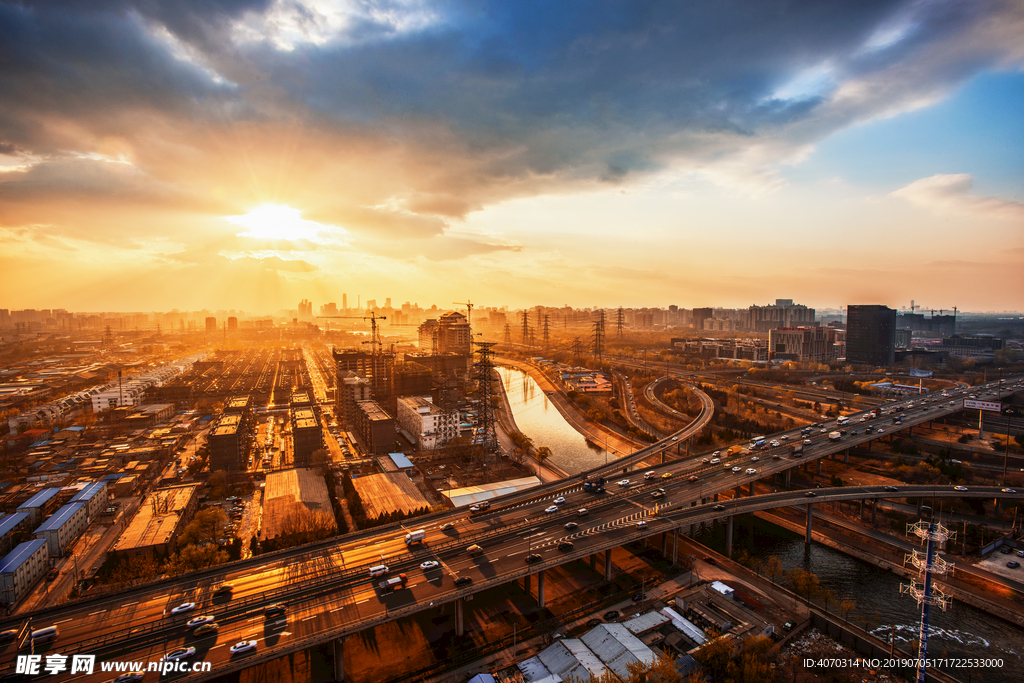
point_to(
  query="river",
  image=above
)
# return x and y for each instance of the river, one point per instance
(539, 419)
(961, 631)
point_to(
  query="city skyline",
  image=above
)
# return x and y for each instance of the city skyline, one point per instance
(249, 156)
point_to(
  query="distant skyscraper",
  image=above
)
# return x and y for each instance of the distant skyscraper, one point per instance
(344, 304)
(232, 324)
(871, 335)
(211, 324)
(700, 315)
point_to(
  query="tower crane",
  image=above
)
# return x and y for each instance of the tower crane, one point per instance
(373, 318)
(469, 310)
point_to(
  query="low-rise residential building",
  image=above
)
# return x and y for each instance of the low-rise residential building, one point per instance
(429, 426)
(12, 527)
(307, 435)
(21, 569)
(41, 505)
(228, 444)
(95, 496)
(63, 527)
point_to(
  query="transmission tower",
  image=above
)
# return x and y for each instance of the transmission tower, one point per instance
(577, 348)
(620, 319)
(599, 335)
(508, 332)
(483, 374)
(922, 590)
(526, 327)
(547, 333)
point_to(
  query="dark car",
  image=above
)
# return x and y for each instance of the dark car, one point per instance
(571, 525)
(810, 494)
(565, 545)
(719, 507)
(533, 557)
(892, 488)
(463, 581)
(709, 560)
(594, 622)
(639, 596)
(1006, 550)
(272, 610)
(1013, 564)
(611, 615)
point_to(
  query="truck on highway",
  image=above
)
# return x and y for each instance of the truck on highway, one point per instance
(393, 584)
(415, 536)
(596, 486)
(875, 412)
(733, 450)
(834, 436)
(798, 448)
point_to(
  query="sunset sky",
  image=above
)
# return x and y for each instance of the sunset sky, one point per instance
(233, 154)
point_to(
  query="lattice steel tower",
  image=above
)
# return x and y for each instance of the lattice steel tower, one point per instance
(922, 590)
(620, 320)
(483, 371)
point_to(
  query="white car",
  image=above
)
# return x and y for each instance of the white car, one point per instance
(715, 461)
(180, 653)
(184, 607)
(775, 444)
(960, 488)
(430, 564)
(751, 470)
(559, 500)
(199, 621)
(785, 437)
(553, 508)
(244, 646)
(624, 482)
(641, 524)
(754, 459)
(737, 469)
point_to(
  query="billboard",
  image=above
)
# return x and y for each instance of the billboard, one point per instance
(921, 373)
(991, 406)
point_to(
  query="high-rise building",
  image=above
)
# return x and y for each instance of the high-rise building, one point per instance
(700, 315)
(211, 324)
(232, 324)
(784, 313)
(871, 335)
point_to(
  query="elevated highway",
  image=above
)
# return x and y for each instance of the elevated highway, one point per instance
(330, 595)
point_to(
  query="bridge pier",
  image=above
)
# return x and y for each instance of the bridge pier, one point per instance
(460, 625)
(526, 584)
(751, 491)
(874, 509)
(540, 588)
(339, 659)
(716, 497)
(728, 536)
(593, 561)
(789, 476)
(819, 465)
(608, 564)
(810, 516)
(693, 530)
(846, 454)
(664, 543)
(675, 547)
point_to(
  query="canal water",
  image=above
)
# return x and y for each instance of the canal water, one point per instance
(961, 631)
(538, 418)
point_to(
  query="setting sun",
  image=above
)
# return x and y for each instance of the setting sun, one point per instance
(277, 222)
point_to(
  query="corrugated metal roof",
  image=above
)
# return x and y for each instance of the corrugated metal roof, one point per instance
(617, 647)
(475, 494)
(89, 491)
(400, 460)
(645, 622)
(40, 498)
(685, 626)
(10, 521)
(721, 588)
(61, 516)
(17, 557)
(569, 657)
(534, 671)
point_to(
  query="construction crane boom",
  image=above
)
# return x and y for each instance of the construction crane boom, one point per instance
(469, 310)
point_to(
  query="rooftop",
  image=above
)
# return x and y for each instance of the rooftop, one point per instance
(17, 557)
(289, 492)
(40, 499)
(157, 518)
(61, 516)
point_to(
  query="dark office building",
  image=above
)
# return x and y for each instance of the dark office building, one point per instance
(228, 444)
(700, 315)
(871, 335)
(307, 436)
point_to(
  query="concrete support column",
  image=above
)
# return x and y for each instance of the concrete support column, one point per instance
(460, 626)
(862, 509)
(526, 584)
(874, 509)
(593, 561)
(728, 537)
(675, 546)
(608, 564)
(540, 588)
(663, 457)
(664, 543)
(693, 530)
(716, 497)
(339, 659)
(810, 516)
(819, 465)
(751, 491)
(846, 454)
(910, 432)
(789, 476)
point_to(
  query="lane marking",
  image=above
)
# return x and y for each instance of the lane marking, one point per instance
(358, 602)
(129, 604)
(95, 613)
(311, 616)
(62, 622)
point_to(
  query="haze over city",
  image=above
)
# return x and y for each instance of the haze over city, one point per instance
(246, 155)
